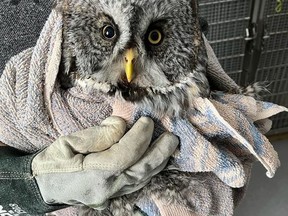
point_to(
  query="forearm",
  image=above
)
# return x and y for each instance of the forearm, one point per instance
(19, 191)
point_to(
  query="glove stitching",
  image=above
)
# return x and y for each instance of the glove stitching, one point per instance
(100, 166)
(12, 173)
(50, 171)
(14, 178)
(38, 171)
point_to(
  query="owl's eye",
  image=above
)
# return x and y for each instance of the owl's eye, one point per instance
(109, 32)
(155, 37)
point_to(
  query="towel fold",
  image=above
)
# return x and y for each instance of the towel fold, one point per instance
(217, 135)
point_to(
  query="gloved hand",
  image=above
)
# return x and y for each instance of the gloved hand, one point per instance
(91, 166)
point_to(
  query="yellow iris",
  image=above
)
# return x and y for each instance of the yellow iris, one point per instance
(155, 37)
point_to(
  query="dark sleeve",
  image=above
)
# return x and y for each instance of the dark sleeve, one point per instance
(19, 192)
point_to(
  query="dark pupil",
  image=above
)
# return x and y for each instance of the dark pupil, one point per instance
(109, 32)
(155, 36)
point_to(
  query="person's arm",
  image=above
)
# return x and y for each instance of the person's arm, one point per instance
(99, 160)
(19, 192)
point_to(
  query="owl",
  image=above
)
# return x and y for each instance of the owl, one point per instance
(147, 52)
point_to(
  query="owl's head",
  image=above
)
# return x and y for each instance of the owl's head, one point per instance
(143, 51)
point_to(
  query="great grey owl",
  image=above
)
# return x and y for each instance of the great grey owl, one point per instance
(147, 52)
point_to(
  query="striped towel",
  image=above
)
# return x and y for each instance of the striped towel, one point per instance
(217, 135)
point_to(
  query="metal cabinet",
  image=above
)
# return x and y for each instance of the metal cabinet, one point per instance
(250, 38)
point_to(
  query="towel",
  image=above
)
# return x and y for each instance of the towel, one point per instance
(218, 136)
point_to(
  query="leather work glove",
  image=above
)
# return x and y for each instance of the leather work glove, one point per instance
(91, 166)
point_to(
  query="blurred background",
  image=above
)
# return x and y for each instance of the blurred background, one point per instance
(250, 38)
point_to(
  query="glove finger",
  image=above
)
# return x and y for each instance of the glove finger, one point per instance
(97, 138)
(125, 189)
(152, 161)
(125, 153)
(130, 184)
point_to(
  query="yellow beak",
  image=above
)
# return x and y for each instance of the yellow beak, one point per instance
(130, 55)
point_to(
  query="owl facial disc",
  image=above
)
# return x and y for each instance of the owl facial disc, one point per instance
(149, 52)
